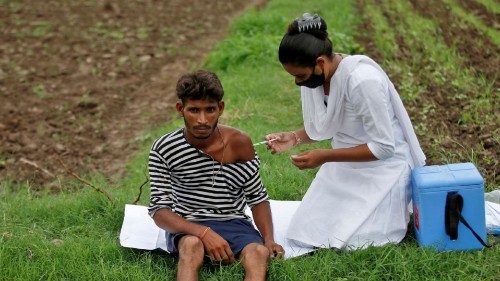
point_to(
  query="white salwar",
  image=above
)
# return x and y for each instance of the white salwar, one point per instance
(357, 204)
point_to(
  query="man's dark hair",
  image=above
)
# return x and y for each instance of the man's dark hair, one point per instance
(199, 85)
(301, 46)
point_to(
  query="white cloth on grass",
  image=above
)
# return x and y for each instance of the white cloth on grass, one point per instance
(140, 232)
(492, 213)
(354, 205)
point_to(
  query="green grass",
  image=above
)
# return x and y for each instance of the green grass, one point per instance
(386, 43)
(490, 5)
(491, 31)
(432, 68)
(441, 64)
(73, 235)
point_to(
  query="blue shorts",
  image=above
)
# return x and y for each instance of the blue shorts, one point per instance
(237, 232)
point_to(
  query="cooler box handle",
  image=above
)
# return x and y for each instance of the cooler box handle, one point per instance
(453, 216)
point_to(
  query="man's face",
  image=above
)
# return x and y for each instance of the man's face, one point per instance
(200, 116)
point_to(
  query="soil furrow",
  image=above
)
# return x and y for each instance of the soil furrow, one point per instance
(365, 29)
(444, 116)
(488, 17)
(83, 80)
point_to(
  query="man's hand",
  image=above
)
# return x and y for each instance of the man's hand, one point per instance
(216, 247)
(275, 249)
(310, 159)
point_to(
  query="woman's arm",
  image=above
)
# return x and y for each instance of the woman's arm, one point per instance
(314, 158)
(279, 142)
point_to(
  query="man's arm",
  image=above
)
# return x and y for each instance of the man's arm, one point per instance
(255, 193)
(160, 202)
(160, 210)
(173, 223)
(264, 221)
(215, 246)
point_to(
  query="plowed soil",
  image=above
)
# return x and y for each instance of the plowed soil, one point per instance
(480, 54)
(80, 81)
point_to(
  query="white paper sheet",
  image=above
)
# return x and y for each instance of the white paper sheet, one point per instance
(492, 217)
(140, 232)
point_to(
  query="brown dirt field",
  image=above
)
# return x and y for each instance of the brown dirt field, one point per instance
(82, 80)
(480, 54)
(480, 11)
(477, 49)
(366, 29)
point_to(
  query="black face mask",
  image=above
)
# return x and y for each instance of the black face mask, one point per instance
(313, 81)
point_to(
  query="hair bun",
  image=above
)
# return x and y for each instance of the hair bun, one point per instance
(308, 22)
(305, 40)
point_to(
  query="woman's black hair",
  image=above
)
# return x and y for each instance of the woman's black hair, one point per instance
(201, 84)
(305, 40)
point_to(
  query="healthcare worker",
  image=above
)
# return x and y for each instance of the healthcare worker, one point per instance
(361, 192)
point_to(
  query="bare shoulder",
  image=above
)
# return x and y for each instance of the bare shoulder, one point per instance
(238, 143)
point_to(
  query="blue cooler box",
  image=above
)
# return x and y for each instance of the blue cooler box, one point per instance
(431, 185)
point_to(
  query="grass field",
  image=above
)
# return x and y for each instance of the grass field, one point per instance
(73, 235)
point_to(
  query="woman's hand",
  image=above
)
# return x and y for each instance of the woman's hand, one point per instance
(279, 142)
(310, 159)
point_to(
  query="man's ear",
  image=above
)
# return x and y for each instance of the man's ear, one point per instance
(179, 106)
(221, 106)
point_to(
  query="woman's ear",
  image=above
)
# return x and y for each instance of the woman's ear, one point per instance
(320, 61)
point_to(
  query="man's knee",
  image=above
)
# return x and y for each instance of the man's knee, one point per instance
(256, 251)
(191, 247)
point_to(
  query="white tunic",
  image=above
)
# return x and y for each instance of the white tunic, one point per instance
(357, 204)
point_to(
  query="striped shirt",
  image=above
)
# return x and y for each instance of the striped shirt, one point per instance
(189, 183)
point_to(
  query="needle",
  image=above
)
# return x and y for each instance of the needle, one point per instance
(263, 142)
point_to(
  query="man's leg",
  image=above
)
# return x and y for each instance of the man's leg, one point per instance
(191, 254)
(255, 258)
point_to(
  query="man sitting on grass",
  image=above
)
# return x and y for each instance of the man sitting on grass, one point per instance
(202, 178)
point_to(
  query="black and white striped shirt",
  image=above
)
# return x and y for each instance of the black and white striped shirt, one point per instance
(186, 181)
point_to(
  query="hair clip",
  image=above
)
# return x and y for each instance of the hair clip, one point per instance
(307, 22)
